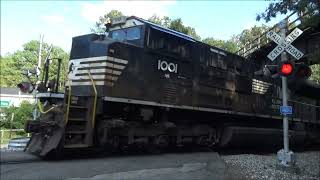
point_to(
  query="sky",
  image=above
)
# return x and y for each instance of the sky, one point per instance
(59, 21)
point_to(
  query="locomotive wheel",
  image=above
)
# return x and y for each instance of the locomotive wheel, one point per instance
(161, 141)
(102, 136)
(158, 144)
(56, 154)
(114, 143)
(107, 142)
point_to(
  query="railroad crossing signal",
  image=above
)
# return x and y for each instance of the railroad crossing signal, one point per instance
(285, 44)
(285, 156)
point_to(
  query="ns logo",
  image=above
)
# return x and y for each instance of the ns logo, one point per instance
(165, 66)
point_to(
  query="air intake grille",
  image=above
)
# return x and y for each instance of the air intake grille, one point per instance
(169, 94)
(260, 87)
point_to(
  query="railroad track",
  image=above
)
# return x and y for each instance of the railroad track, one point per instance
(20, 157)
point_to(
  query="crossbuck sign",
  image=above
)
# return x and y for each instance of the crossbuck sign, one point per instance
(285, 44)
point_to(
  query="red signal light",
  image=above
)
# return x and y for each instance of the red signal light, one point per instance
(286, 69)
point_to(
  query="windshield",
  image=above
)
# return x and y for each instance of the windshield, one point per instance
(127, 34)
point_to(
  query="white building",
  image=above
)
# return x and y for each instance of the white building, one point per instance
(13, 96)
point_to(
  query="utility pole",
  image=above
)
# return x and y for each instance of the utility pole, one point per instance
(11, 121)
(39, 55)
(35, 112)
(285, 156)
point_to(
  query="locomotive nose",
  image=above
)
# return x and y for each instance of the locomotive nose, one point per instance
(95, 57)
(91, 45)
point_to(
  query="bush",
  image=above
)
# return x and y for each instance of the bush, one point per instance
(21, 115)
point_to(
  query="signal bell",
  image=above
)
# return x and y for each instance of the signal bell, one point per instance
(25, 87)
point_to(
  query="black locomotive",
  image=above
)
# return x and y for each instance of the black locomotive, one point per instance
(148, 86)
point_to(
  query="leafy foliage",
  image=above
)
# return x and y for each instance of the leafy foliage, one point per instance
(99, 26)
(21, 115)
(12, 65)
(164, 21)
(10, 74)
(228, 45)
(248, 35)
(175, 24)
(310, 7)
(315, 76)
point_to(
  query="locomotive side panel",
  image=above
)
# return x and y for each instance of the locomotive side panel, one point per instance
(220, 81)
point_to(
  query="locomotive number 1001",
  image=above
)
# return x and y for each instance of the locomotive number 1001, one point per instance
(165, 66)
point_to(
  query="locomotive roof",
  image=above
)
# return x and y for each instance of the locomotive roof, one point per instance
(163, 29)
(173, 32)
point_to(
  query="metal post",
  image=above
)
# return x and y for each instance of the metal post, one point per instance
(11, 121)
(284, 92)
(285, 155)
(58, 75)
(35, 112)
(285, 118)
(39, 55)
(1, 136)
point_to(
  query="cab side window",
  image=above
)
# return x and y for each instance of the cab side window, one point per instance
(216, 59)
(168, 43)
(133, 33)
(130, 35)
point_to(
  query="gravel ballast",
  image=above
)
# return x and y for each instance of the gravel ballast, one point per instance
(267, 167)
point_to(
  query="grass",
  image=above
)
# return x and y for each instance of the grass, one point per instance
(6, 136)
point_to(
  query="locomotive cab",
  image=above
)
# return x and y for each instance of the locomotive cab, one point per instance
(129, 31)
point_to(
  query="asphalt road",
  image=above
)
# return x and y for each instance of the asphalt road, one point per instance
(200, 165)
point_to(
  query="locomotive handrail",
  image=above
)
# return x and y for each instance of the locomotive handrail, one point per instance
(69, 101)
(95, 99)
(244, 51)
(298, 102)
(41, 108)
(307, 104)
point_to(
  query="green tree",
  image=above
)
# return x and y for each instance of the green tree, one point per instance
(175, 24)
(251, 34)
(14, 64)
(10, 75)
(302, 7)
(99, 26)
(315, 76)
(164, 21)
(21, 115)
(307, 10)
(228, 45)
